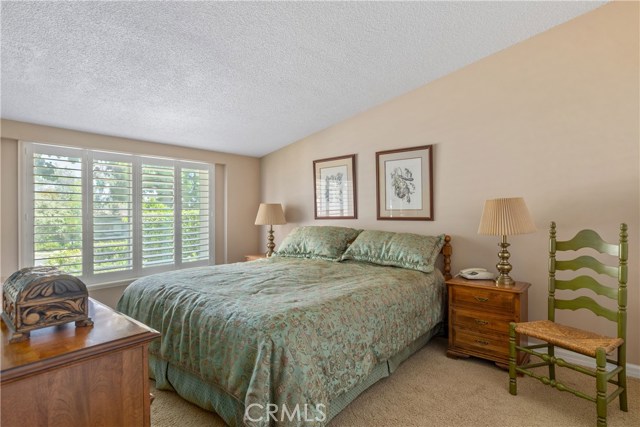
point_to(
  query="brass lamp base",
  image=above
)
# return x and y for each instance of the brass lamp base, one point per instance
(270, 245)
(503, 266)
(505, 280)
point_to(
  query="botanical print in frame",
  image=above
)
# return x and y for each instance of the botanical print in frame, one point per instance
(335, 187)
(405, 184)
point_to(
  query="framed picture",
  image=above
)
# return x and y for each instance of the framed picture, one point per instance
(405, 184)
(335, 187)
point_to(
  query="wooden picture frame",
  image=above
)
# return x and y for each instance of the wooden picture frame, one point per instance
(334, 188)
(404, 184)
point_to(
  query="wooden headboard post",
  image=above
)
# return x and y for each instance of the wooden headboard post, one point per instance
(446, 252)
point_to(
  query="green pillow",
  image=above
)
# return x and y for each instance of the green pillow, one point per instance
(406, 250)
(317, 242)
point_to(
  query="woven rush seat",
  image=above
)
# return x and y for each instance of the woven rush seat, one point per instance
(575, 339)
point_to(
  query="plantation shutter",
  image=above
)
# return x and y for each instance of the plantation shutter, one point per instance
(112, 215)
(57, 210)
(158, 215)
(195, 214)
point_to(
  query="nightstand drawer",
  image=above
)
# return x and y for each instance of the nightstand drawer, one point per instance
(479, 321)
(483, 299)
(492, 345)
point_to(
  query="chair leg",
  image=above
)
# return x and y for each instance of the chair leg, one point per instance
(551, 351)
(622, 377)
(601, 386)
(513, 385)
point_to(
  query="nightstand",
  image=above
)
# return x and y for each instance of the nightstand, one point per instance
(254, 257)
(479, 316)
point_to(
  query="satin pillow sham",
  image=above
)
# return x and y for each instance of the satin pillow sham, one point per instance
(405, 250)
(317, 242)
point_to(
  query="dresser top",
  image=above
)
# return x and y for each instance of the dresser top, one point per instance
(519, 287)
(58, 345)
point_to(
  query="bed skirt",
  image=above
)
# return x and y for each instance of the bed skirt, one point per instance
(212, 398)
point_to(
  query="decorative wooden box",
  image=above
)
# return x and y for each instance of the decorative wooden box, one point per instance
(37, 297)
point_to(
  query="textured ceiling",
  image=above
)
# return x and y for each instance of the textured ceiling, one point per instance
(240, 77)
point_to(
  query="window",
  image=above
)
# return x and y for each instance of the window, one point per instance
(195, 214)
(158, 215)
(111, 216)
(57, 211)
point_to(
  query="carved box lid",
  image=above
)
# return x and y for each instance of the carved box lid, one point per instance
(37, 297)
(33, 284)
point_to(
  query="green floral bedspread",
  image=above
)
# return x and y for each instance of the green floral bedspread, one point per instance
(285, 331)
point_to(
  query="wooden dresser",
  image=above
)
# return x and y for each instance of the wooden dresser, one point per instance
(68, 376)
(479, 316)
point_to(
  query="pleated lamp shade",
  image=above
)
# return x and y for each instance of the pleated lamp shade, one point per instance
(506, 217)
(270, 214)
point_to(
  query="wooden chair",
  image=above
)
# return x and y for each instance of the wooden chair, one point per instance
(573, 339)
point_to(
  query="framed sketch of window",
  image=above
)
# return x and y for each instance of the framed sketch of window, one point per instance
(335, 187)
(405, 184)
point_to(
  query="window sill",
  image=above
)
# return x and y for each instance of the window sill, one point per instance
(107, 285)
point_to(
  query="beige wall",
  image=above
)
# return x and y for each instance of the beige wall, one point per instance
(237, 190)
(553, 119)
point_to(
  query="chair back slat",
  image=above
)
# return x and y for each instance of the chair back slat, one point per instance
(587, 261)
(586, 303)
(588, 239)
(587, 282)
(619, 271)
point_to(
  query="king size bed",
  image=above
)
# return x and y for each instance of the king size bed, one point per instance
(292, 339)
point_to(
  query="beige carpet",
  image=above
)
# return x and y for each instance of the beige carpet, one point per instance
(431, 390)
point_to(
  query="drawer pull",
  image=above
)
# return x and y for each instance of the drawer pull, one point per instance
(481, 299)
(481, 322)
(482, 342)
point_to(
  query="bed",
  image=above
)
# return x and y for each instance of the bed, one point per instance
(292, 339)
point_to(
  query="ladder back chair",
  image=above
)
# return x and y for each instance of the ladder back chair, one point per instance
(573, 339)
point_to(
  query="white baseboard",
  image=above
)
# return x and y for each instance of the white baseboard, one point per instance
(578, 359)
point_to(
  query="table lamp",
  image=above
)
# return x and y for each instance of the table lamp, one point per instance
(270, 214)
(505, 217)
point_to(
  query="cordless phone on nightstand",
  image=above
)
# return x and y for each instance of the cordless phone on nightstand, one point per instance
(477, 273)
